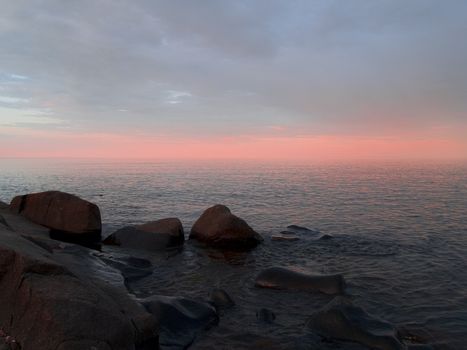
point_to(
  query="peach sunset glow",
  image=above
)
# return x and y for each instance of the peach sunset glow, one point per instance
(321, 148)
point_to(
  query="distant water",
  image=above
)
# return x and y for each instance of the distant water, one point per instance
(400, 236)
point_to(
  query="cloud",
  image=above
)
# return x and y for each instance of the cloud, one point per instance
(221, 67)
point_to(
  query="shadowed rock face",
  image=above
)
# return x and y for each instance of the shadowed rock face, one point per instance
(60, 296)
(340, 319)
(67, 216)
(152, 236)
(218, 227)
(281, 278)
(181, 319)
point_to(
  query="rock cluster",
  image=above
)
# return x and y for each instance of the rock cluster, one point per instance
(65, 296)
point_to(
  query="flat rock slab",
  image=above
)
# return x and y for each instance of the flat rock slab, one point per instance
(286, 237)
(181, 319)
(300, 230)
(282, 278)
(342, 320)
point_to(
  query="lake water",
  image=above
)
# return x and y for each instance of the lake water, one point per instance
(400, 237)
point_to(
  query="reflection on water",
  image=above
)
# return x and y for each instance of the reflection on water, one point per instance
(400, 236)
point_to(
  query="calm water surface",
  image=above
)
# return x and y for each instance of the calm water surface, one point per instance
(400, 237)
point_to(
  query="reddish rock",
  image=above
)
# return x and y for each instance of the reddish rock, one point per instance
(218, 227)
(153, 236)
(49, 302)
(61, 212)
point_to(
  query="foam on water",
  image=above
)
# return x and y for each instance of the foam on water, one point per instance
(399, 236)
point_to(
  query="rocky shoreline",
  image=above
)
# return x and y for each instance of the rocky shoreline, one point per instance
(59, 290)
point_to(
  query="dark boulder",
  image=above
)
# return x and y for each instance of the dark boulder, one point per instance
(180, 319)
(68, 217)
(281, 278)
(218, 227)
(342, 320)
(152, 236)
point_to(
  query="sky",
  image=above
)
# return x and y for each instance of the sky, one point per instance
(256, 79)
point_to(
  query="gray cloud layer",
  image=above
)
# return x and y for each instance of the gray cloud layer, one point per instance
(222, 67)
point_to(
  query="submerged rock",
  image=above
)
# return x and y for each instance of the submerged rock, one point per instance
(64, 298)
(286, 237)
(300, 229)
(326, 237)
(265, 315)
(342, 320)
(181, 319)
(220, 299)
(68, 217)
(218, 227)
(152, 236)
(281, 278)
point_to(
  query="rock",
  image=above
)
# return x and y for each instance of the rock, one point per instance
(281, 278)
(287, 237)
(181, 319)
(218, 227)
(288, 233)
(3, 222)
(3, 205)
(265, 315)
(220, 299)
(68, 217)
(67, 299)
(340, 319)
(300, 229)
(152, 236)
(326, 237)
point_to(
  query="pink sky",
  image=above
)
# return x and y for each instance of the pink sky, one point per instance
(34, 143)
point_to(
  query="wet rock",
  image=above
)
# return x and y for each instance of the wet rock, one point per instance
(218, 227)
(326, 237)
(265, 315)
(220, 299)
(281, 278)
(288, 238)
(300, 229)
(181, 319)
(288, 233)
(68, 217)
(3, 205)
(66, 299)
(4, 222)
(152, 236)
(130, 267)
(341, 320)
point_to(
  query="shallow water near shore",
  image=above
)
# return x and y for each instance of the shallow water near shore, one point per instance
(399, 237)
